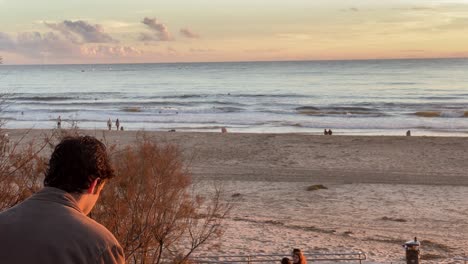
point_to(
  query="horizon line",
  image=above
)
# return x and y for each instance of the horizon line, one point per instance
(240, 61)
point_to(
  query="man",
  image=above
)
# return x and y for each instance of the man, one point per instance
(52, 226)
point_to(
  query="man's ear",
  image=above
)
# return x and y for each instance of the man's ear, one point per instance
(93, 187)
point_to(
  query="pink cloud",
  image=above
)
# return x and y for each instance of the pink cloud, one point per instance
(159, 29)
(35, 44)
(109, 51)
(53, 45)
(188, 33)
(81, 32)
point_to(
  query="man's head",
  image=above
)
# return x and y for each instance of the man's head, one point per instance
(79, 165)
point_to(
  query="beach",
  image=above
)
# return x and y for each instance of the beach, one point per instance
(381, 190)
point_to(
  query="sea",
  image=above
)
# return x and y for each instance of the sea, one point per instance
(361, 97)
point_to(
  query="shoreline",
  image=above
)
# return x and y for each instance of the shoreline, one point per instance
(281, 131)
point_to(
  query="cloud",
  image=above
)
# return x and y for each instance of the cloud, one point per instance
(351, 9)
(188, 33)
(147, 37)
(195, 50)
(35, 44)
(81, 32)
(413, 50)
(161, 32)
(117, 24)
(6, 42)
(272, 50)
(294, 36)
(171, 50)
(459, 23)
(109, 51)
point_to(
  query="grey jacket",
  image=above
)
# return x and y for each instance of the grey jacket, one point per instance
(50, 228)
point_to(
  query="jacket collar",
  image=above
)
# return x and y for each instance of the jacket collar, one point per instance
(56, 195)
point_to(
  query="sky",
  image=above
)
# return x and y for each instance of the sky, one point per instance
(146, 31)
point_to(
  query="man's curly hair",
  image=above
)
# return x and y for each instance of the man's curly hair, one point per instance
(76, 162)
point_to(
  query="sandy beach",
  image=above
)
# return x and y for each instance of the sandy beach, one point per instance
(382, 191)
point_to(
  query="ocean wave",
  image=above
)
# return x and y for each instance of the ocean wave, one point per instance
(342, 111)
(271, 95)
(42, 98)
(228, 109)
(183, 96)
(451, 114)
(131, 109)
(350, 108)
(306, 108)
(221, 103)
(125, 103)
(117, 103)
(187, 96)
(398, 83)
(440, 97)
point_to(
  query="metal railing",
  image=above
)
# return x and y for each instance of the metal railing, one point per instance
(276, 258)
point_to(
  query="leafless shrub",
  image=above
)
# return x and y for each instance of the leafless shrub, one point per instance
(152, 209)
(21, 168)
(151, 206)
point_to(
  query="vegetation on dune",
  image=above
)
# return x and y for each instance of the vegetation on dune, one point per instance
(151, 206)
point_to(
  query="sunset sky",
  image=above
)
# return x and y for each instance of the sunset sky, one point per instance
(105, 31)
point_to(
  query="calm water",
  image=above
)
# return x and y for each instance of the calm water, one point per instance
(430, 97)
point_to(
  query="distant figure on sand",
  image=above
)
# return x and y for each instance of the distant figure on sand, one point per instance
(109, 124)
(408, 133)
(330, 132)
(59, 122)
(117, 124)
(121, 128)
(286, 261)
(325, 132)
(223, 130)
(298, 257)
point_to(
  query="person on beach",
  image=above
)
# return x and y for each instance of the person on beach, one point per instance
(52, 225)
(298, 257)
(330, 132)
(117, 124)
(286, 261)
(408, 133)
(325, 132)
(59, 122)
(109, 124)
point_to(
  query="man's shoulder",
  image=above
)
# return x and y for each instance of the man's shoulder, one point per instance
(95, 230)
